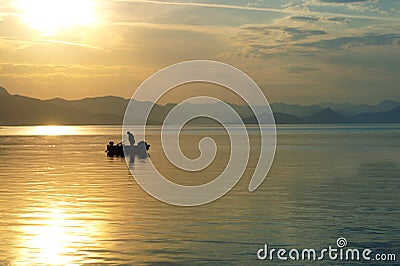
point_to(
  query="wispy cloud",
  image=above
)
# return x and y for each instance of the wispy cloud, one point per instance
(320, 19)
(71, 80)
(290, 11)
(24, 70)
(287, 42)
(173, 26)
(28, 42)
(356, 41)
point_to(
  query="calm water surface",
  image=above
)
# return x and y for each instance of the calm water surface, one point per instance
(62, 201)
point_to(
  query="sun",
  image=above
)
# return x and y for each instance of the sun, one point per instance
(52, 16)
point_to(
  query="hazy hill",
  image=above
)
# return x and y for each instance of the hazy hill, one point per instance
(295, 109)
(391, 116)
(3, 92)
(326, 115)
(350, 109)
(106, 105)
(21, 110)
(280, 118)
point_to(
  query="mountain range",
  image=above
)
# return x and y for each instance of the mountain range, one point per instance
(22, 110)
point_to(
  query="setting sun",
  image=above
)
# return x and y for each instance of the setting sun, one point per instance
(52, 16)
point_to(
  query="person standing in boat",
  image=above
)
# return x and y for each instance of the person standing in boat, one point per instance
(131, 138)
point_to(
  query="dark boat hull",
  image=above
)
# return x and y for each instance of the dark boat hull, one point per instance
(128, 150)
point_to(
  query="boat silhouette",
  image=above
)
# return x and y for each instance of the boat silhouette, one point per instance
(121, 150)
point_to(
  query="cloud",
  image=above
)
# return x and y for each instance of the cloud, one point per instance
(287, 33)
(356, 41)
(310, 35)
(296, 44)
(26, 42)
(289, 9)
(300, 69)
(312, 19)
(343, 1)
(304, 18)
(67, 70)
(71, 80)
(174, 27)
(367, 8)
(266, 41)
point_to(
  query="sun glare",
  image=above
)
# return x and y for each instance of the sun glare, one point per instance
(52, 16)
(53, 130)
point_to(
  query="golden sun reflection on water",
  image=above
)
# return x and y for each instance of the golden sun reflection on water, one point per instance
(55, 237)
(53, 130)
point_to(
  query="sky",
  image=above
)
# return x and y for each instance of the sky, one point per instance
(298, 51)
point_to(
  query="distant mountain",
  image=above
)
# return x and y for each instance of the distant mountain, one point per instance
(326, 115)
(320, 117)
(391, 116)
(21, 110)
(281, 118)
(295, 109)
(3, 92)
(350, 109)
(107, 105)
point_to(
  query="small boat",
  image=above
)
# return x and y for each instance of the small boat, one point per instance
(141, 149)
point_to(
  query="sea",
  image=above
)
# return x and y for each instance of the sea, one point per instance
(64, 202)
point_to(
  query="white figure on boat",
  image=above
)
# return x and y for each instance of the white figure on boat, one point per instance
(141, 149)
(131, 138)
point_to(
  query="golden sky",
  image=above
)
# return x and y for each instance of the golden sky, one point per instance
(304, 51)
